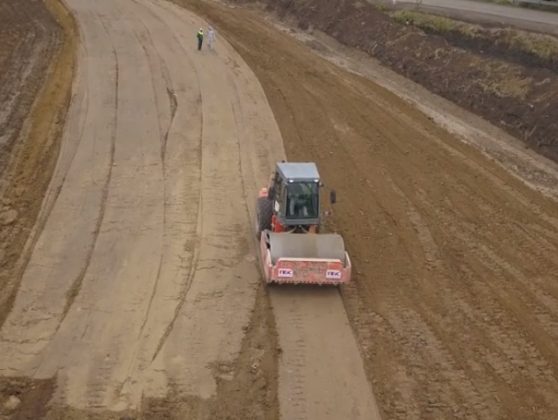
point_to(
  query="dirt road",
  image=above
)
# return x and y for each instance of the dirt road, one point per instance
(142, 297)
(455, 302)
(142, 283)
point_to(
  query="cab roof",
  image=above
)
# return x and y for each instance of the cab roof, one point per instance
(298, 171)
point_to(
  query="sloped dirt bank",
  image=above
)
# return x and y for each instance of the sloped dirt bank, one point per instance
(38, 42)
(506, 86)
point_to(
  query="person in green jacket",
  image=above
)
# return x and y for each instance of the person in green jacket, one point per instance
(200, 39)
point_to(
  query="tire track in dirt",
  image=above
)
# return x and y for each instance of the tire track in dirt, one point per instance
(323, 312)
(164, 94)
(195, 348)
(132, 335)
(51, 361)
(454, 257)
(193, 165)
(44, 317)
(472, 239)
(144, 38)
(115, 373)
(74, 289)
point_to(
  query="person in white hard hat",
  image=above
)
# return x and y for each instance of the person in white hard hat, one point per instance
(210, 37)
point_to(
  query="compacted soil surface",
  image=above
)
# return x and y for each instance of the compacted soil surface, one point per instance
(130, 286)
(455, 299)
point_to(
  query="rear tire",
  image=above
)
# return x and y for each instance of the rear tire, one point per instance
(264, 213)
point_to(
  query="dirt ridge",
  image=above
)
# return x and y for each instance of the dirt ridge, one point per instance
(35, 125)
(34, 153)
(507, 88)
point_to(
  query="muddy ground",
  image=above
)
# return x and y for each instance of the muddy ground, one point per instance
(454, 301)
(510, 88)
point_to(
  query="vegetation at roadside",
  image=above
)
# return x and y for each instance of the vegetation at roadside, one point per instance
(547, 7)
(506, 2)
(542, 46)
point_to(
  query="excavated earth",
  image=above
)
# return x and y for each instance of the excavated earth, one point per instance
(513, 89)
(50, 233)
(29, 39)
(455, 299)
(36, 67)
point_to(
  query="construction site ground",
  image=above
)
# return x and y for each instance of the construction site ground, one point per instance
(129, 285)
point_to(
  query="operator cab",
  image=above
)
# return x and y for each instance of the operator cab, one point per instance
(302, 201)
(295, 194)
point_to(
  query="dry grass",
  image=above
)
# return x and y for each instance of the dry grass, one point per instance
(507, 85)
(542, 46)
(425, 21)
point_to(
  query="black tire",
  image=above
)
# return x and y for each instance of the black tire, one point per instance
(264, 212)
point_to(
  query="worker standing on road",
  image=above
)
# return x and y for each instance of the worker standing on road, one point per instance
(200, 39)
(210, 37)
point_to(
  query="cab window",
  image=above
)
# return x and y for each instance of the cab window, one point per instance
(302, 200)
